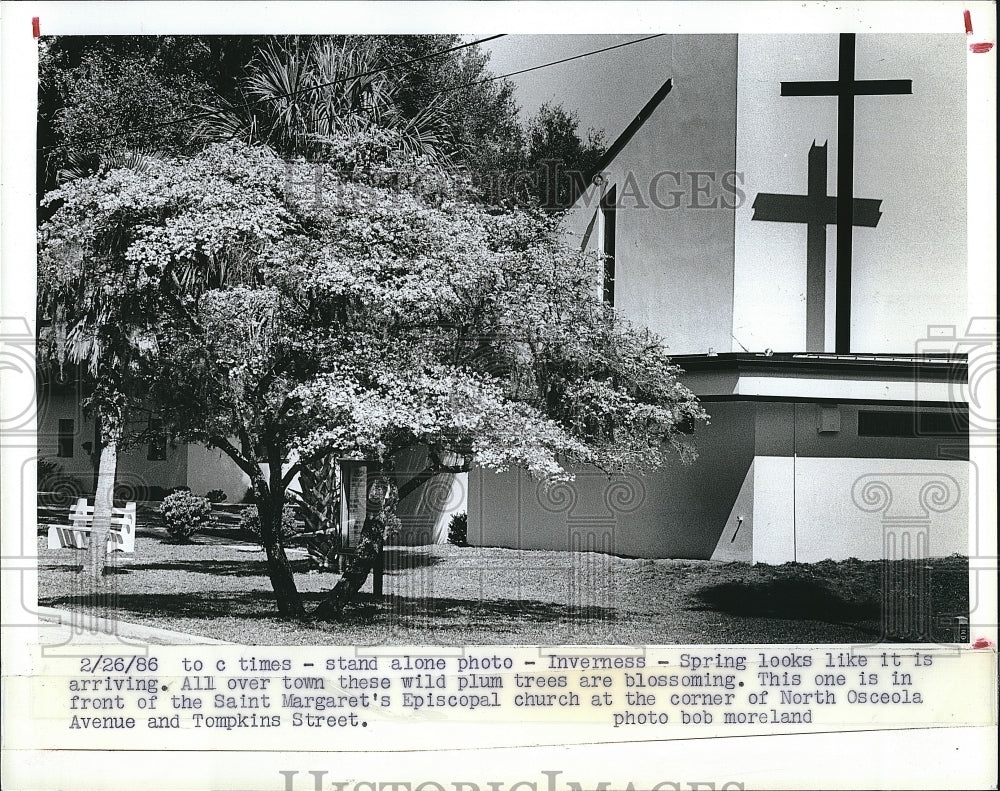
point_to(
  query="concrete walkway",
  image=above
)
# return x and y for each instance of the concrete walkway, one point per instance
(62, 627)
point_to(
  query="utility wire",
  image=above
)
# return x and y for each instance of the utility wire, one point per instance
(428, 95)
(208, 113)
(536, 68)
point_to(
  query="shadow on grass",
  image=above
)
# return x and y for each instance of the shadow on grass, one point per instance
(403, 558)
(391, 611)
(793, 599)
(222, 568)
(206, 537)
(397, 561)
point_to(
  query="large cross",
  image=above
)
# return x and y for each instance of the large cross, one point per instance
(845, 88)
(817, 210)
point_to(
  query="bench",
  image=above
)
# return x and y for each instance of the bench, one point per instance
(77, 534)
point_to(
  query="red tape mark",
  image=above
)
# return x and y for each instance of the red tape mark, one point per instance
(36, 29)
(982, 642)
(978, 47)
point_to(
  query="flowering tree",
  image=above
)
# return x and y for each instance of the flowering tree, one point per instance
(364, 319)
(125, 250)
(393, 317)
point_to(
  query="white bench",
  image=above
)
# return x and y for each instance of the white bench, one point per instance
(77, 534)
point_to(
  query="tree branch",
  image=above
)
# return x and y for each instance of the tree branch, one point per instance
(229, 449)
(296, 468)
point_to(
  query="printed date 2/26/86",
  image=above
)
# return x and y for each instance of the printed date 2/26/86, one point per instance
(118, 664)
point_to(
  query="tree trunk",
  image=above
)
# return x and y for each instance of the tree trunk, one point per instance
(270, 504)
(104, 497)
(382, 498)
(282, 579)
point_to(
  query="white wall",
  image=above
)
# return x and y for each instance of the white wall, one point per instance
(833, 519)
(910, 153)
(210, 468)
(677, 511)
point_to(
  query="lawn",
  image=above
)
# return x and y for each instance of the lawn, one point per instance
(218, 587)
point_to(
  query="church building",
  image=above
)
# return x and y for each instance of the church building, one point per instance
(788, 213)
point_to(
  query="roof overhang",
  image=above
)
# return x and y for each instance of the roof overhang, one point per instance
(933, 379)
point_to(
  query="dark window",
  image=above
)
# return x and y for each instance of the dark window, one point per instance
(67, 438)
(157, 450)
(913, 424)
(609, 211)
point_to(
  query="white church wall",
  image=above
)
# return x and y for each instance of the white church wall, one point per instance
(674, 233)
(424, 515)
(832, 521)
(677, 511)
(909, 153)
(736, 541)
(773, 509)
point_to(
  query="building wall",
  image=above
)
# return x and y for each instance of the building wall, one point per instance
(210, 468)
(910, 153)
(767, 487)
(135, 470)
(424, 515)
(674, 263)
(678, 511)
(834, 518)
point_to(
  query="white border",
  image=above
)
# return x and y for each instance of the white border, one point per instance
(947, 758)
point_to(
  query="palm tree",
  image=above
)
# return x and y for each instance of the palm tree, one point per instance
(105, 333)
(299, 97)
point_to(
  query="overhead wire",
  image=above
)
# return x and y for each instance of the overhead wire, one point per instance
(428, 95)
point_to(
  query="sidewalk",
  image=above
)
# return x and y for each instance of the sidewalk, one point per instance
(61, 627)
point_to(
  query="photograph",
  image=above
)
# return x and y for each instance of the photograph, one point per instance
(498, 396)
(543, 339)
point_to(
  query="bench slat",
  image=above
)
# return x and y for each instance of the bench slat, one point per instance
(77, 535)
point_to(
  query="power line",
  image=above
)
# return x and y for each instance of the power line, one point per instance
(542, 66)
(428, 95)
(208, 113)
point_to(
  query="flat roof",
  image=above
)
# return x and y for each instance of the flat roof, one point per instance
(942, 367)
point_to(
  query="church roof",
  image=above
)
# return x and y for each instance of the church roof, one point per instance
(949, 367)
(622, 140)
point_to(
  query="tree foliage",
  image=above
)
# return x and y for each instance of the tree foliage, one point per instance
(104, 98)
(378, 318)
(558, 154)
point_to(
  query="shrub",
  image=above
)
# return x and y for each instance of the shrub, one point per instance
(458, 530)
(216, 496)
(48, 471)
(185, 513)
(250, 522)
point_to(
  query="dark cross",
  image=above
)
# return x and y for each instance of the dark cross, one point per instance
(845, 88)
(817, 210)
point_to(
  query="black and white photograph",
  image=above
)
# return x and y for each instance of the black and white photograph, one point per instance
(524, 339)
(366, 334)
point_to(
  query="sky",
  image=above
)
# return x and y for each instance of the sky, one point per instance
(607, 90)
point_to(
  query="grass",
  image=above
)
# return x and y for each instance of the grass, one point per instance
(218, 588)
